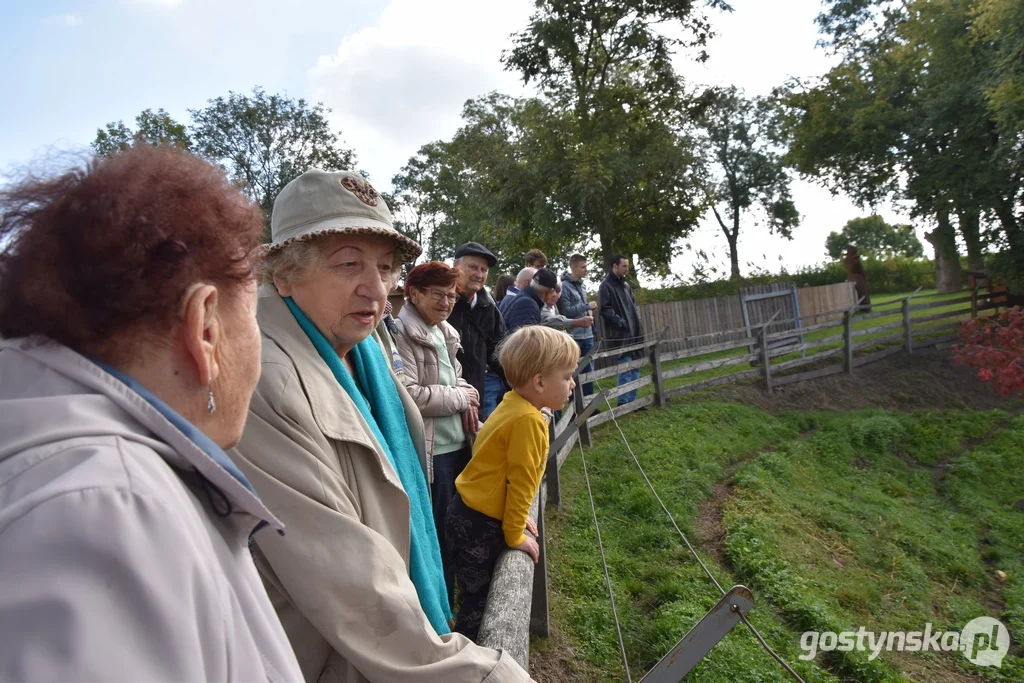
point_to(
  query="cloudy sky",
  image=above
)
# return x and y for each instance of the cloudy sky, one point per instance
(394, 72)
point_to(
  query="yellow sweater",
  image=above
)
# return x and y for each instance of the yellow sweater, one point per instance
(502, 478)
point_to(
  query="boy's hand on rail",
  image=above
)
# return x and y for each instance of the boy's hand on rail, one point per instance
(531, 526)
(530, 547)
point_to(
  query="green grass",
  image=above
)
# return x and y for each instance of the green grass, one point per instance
(874, 519)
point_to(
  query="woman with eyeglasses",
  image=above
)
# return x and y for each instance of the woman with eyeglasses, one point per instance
(448, 403)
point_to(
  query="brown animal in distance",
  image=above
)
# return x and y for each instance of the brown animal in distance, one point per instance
(855, 273)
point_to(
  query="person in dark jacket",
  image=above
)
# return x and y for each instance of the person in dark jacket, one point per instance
(525, 308)
(522, 282)
(480, 326)
(573, 304)
(621, 320)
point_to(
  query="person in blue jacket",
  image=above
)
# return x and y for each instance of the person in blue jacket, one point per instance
(525, 308)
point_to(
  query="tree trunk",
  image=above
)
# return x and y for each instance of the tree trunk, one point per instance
(732, 236)
(607, 248)
(969, 221)
(948, 274)
(734, 257)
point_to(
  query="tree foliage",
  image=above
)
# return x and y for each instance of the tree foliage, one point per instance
(267, 140)
(874, 238)
(262, 141)
(151, 128)
(604, 157)
(908, 114)
(995, 348)
(750, 170)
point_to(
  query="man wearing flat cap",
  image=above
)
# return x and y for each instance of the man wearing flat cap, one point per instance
(526, 307)
(480, 325)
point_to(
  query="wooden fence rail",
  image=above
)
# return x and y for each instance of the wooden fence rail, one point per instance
(518, 601)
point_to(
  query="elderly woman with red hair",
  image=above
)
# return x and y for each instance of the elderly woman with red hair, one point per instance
(127, 304)
(433, 376)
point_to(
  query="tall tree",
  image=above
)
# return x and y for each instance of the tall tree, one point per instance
(906, 114)
(627, 171)
(874, 238)
(486, 184)
(750, 169)
(151, 128)
(265, 141)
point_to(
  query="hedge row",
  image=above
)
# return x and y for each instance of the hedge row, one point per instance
(890, 276)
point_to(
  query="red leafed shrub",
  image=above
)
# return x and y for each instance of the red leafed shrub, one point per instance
(995, 347)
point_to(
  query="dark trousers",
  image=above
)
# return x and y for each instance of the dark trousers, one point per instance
(446, 468)
(585, 346)
(475, 540)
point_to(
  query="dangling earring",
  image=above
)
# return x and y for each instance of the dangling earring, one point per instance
(211, 405)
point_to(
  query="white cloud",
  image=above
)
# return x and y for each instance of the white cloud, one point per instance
(402, 82)
(70, 20)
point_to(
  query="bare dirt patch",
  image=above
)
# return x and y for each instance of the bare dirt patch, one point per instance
(553, 660)
(928, 379)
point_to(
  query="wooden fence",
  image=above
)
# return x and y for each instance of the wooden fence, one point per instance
(518, 602)
(690, 324)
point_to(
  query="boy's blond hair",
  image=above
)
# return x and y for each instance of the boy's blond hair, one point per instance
(533, 350)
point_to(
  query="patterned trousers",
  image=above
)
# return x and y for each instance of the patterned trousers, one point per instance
(475, 541)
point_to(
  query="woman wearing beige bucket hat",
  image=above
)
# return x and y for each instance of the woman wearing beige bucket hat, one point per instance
(335, 446)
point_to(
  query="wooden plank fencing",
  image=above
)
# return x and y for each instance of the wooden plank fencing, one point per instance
(688, 322)
(518, 604)
(825, 303)
(694, 323)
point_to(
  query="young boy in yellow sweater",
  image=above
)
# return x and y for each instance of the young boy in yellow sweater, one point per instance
(497, 487)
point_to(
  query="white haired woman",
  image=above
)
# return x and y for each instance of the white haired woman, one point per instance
(335, 444)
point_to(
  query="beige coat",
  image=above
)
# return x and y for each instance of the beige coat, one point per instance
(124, 537)
(422, 375)
(339, 578)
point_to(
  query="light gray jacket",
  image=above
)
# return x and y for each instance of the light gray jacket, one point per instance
(421, 373)
(117, 562)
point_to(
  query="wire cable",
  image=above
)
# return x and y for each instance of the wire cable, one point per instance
(693, 551)
(604, 564)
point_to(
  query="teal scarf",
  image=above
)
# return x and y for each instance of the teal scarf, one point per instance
(381, 407)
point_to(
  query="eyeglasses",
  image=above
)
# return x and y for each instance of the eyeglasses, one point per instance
(439, 296)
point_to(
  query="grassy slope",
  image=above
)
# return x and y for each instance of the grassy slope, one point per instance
(835, 521)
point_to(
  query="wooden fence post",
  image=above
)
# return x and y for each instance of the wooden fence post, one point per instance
(577, 396)
(908, 337)
(848, 341)
(766, 365)
(539, 621)
(551, 473)
(659, 383)
(974, 303)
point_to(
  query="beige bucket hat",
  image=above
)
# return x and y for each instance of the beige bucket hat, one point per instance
(325, 202)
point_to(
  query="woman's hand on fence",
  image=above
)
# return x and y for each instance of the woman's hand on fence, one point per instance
(471, 421)
(531, 526)
(530, 547)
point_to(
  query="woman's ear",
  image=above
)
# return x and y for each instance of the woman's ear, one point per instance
(283, 287)
(202, 331)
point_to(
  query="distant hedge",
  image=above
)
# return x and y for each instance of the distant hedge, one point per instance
(891, 276)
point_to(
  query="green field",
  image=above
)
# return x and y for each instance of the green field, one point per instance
(876, 518)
